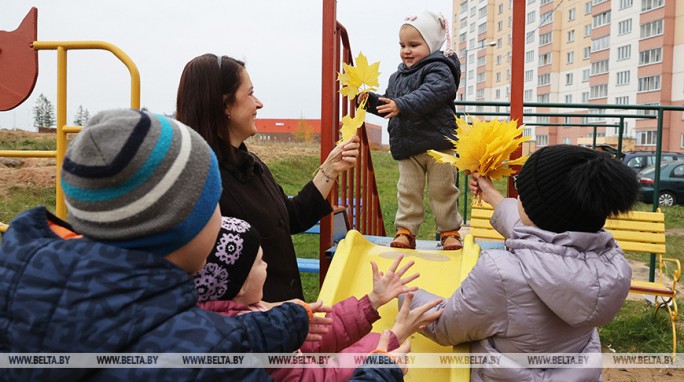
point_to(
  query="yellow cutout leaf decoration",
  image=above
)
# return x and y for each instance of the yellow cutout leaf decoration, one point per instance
(350, 124)
(485, 147)
(362, 78)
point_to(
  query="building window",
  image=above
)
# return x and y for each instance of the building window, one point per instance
(546, 18)
(529, 56)
(647, 5)
(481, 77)
(626, 3)
(624, 26)
(529, 40)
(599, 67)
(587, 30)
(480, 93)
(572, 14)
(567, 140)
(543, 98)
(585, 97)
(624, 100)
(568, 78)
(545, 38)
(647, 138)
(585, 75)
(545, 59)
(587, 7)
(650, 83)
(499, 26)
(654, 28)
(568, 98)
(498, 93)
(529, 75)
(501, 8)
(571, 36)
(600, 43)
(650, 111)
(624, 52)
(570, 57)
(531, 17)
(542, 140)
(498, 76)
(483, 12)
(544, 79)
(544, 2)
(598, 91)
(586, 52)
(623, 77)
(528, 95)
(482, 28)
(650, 56)
(597, 2)
(601, 19)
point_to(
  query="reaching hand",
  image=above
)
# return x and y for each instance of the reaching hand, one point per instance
(410, 321)
(390, 108)
(387, 286)
(483, 186)
(319, 324)
(342, 157)
(398, 353)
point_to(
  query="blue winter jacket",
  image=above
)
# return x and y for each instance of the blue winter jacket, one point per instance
(79, 295)
(425, 94)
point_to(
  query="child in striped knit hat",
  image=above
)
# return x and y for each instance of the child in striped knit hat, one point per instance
(142, 191)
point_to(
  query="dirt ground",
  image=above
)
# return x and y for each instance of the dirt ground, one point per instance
(30, 172)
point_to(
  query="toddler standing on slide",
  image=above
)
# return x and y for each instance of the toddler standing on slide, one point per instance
(419, 103)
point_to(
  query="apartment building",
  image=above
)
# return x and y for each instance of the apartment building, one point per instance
(580, 51)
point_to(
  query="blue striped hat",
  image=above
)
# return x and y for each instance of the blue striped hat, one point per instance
(139, 180)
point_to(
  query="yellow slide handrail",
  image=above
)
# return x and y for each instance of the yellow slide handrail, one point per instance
(62, 130)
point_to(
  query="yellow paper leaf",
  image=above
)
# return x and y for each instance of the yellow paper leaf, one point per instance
(360, 78)
(350, 124)
(485, 147)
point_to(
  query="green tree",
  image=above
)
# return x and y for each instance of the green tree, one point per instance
(82, 116)
(43, 112)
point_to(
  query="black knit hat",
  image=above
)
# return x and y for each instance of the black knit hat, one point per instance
(230, 262)
(569, 188)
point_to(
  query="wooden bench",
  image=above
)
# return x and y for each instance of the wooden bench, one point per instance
(636, 232)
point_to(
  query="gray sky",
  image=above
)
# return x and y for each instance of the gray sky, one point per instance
(280, 40)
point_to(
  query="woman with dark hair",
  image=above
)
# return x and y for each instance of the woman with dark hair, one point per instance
(216, 98)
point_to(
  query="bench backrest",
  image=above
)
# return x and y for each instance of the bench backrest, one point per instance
(636, 231)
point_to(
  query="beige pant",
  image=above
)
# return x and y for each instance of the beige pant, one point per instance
(441, 179)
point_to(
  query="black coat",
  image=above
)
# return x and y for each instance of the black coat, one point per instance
(251, 193)
(425, 94)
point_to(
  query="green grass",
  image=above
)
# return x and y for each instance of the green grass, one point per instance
(636, 330)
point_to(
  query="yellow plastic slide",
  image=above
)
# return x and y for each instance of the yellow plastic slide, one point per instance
(441, 272)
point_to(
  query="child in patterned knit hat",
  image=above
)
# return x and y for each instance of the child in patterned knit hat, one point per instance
(142, 193)
(560, 275)
(231, 283)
